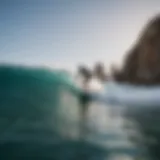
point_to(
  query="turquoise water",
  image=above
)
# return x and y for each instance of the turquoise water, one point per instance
(32, 116)
(40, 120)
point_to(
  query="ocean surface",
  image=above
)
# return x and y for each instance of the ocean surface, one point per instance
(40, 119)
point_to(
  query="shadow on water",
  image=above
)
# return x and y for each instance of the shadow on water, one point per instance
(146, 122)
(59, 151)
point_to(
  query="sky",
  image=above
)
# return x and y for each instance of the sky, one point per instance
(66, 33)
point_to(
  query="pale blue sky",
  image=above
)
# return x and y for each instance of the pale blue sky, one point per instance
(68, 32)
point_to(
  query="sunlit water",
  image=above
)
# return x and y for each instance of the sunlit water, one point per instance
(106, 127)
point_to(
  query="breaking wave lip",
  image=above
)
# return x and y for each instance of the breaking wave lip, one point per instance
(112, 93)
(94, 85)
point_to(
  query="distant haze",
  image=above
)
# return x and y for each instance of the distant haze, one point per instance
(65, 33)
